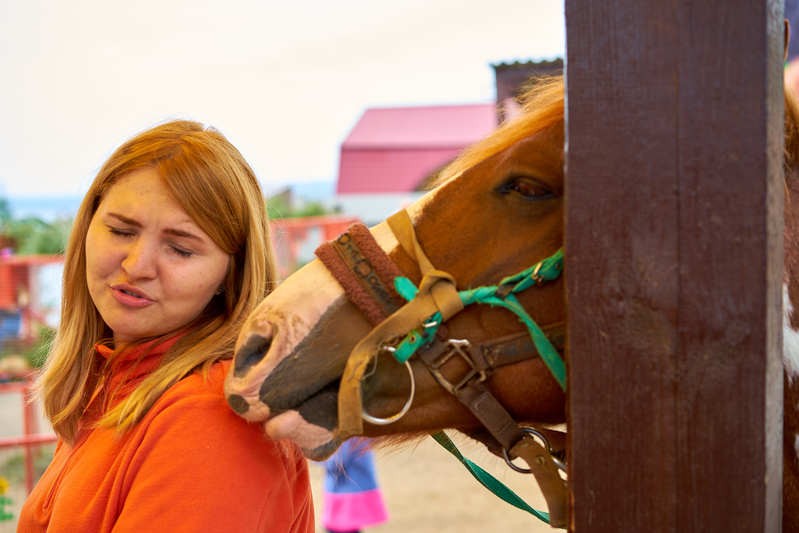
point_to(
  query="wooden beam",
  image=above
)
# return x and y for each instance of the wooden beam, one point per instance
(674, 264)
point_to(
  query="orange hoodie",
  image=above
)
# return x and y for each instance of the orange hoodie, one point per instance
(190, 465)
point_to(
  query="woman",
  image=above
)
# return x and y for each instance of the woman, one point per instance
(168, 254)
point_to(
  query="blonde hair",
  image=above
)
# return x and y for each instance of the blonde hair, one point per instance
(213, 183)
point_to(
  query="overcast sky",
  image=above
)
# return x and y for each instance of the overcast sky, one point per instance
(284, 80)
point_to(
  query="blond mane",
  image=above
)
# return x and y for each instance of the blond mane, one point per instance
(791, 133)
(542, 108)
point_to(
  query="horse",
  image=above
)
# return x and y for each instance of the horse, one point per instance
(292, 367)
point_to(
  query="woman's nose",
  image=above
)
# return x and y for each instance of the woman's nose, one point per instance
(139, 260)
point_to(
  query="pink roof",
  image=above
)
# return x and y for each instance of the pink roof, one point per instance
(394, 149)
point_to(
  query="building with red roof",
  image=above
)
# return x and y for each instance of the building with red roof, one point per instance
(397, 149)
(392, 152)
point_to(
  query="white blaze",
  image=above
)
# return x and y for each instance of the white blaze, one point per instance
(790, 338)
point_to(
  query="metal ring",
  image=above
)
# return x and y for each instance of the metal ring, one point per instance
(513, 466)
(535, 433)
(402, 412)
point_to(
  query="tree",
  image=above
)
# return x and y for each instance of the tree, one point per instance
(32, 235)
(280, 207)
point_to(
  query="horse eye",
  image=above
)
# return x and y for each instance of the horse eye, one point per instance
(528, 188)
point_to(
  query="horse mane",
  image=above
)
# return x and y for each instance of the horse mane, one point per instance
(791, 154)
(543, 105)
(542, 108)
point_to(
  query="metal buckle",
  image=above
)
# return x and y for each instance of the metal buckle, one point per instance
(459, 347)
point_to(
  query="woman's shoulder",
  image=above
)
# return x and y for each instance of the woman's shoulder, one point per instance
(211, 380)
(198, 455)
(195, 408)
(202, 389)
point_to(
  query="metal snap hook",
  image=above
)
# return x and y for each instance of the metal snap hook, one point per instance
(535, 433)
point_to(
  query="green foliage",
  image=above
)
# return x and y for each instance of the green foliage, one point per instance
(36, 353)
(33, 235)
(278, 207)
(5, 212)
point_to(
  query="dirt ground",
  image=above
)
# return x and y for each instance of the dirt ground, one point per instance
(425, 488)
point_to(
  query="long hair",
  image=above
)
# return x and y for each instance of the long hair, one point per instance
(216, 187)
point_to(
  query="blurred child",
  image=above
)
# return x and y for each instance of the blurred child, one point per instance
(351, 498)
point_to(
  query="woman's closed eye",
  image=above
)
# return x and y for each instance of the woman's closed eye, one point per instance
(121, 232)
(179, 250)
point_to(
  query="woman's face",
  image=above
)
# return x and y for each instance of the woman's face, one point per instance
(150, 269)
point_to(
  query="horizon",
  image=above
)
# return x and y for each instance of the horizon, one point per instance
(54, 206)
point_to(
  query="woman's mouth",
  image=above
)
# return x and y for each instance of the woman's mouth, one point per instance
(130, 297)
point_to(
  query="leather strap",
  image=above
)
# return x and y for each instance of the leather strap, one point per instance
(439, 284)
(554, 488)
(494, 417)
(400, 223)
(489, 355)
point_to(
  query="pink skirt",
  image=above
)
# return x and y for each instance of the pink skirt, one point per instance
(352, 498)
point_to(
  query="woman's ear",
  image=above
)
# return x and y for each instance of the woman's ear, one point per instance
(787, 40)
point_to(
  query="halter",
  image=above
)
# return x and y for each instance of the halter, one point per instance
(417, 327)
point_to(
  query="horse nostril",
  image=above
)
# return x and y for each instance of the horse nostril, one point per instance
(238, 404)
(250, 354)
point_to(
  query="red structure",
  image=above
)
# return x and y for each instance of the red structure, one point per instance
(30, 439)
(295, 239)
(396, 149)
(20, 315)
(17, 289)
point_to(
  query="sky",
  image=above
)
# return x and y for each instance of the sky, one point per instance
(285, 81)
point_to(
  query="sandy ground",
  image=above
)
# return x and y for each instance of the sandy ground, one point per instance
(425, 488)
(428, 491)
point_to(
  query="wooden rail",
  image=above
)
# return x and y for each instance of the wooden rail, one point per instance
(30, 438)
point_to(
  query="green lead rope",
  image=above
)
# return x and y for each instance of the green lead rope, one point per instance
(502, 295)
(487, 480)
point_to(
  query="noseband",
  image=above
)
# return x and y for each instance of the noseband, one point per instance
(411, 321)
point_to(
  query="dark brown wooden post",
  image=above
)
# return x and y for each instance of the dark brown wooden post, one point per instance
(674, 264)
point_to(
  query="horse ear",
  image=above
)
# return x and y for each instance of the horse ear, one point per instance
(787, 40)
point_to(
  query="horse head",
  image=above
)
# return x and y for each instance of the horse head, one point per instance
(497, 210)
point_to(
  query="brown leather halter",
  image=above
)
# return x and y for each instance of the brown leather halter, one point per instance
(366, 274)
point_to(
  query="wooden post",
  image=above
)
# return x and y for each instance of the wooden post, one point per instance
(674, 264)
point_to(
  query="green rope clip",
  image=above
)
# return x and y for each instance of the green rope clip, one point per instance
(547, 270)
